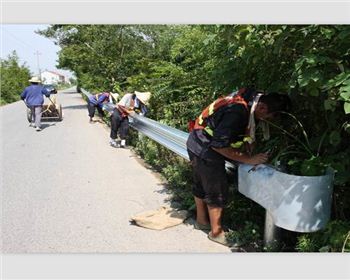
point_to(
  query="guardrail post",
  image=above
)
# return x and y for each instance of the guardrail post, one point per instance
(271, 231)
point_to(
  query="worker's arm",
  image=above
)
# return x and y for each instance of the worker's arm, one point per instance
(128, 111)
(45, 92)
(101, 99)
(24, 94)
(236, 155)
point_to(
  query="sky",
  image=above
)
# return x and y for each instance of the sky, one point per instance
(23, 39)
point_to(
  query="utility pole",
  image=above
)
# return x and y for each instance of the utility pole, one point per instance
(37, 53)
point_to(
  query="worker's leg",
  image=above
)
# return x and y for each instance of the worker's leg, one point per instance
(202, 211)
(215, 215)
(115, 124)
(124, 128)
(197, 191)
(100, 111)
(38, 113)
(215, 187)
(32, 112)
(91, 109)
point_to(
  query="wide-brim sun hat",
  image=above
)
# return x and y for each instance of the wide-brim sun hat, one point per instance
(114, 95)
(34, 80)
(143, 96)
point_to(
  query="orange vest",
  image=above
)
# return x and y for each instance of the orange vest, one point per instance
(201, 121)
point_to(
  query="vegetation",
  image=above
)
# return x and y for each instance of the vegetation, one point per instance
(186, 67)
(14, 78)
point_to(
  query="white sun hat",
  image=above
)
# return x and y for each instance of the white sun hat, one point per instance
(35, 80)
(143, 96)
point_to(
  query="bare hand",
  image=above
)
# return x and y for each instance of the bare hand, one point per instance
(258, 159)
(132, 113)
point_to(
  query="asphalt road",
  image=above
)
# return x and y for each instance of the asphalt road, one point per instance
(65, 190)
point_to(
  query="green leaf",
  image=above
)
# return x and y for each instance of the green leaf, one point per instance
(347, 107)
(342, 78)
(346, 127)
(312, 167)
(292, 161)
(299, 63)
(314, 92)
(334, 138)
(309, 76)
(324, 249)
(345, 92)
(345, 33)
(329, 105)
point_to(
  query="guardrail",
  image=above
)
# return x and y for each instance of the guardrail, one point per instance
(308, 216)
(171, 138)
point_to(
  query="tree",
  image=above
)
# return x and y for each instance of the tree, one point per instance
(14, 78)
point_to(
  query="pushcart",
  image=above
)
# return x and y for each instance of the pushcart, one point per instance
(50, 111)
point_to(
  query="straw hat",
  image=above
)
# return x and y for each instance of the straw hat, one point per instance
(35, 80)
(143, 96)
(114, 95)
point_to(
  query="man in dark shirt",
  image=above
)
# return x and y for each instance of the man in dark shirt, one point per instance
(219, 139)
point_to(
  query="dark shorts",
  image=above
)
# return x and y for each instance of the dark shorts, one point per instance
(209, 180)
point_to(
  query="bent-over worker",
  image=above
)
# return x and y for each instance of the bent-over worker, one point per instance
(96, 102)
(119, 119)
(219, 133)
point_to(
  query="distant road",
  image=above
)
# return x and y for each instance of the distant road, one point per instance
(64, 189)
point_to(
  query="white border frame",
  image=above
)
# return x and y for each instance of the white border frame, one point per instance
(175, 266)
(176, 12)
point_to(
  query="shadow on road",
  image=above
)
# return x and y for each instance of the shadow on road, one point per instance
(75, 107)
(47, 125)
(68, 92)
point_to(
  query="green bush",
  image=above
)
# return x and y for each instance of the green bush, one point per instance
(334, 238)
(247, 237)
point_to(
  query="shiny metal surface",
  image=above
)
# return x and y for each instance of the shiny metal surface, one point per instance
(171, 138)
(296, 203)
(271, 231)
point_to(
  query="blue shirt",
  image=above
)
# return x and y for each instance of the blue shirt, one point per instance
(33, 95)
(101, 98)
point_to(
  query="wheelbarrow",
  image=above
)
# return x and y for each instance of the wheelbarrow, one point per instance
(50, 111)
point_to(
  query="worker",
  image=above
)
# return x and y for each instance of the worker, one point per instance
(96, 101)
(140, 105)
(33, 97)
(220, 133)
(127, 106)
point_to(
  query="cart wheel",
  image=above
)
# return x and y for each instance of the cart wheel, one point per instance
(29, 115)
(60, 117)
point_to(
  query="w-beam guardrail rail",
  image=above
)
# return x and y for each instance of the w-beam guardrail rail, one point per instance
(295, 203)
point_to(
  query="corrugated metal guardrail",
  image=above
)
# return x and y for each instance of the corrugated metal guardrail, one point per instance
(175, 140)
(169, 137)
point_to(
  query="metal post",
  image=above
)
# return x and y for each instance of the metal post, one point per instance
(37, 53)
(272, 232)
